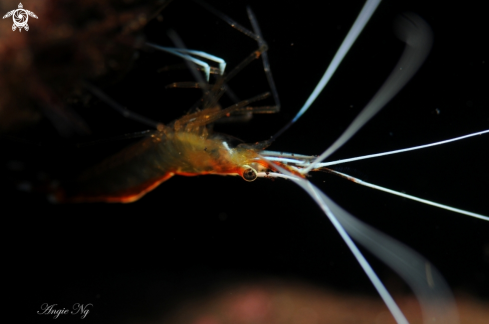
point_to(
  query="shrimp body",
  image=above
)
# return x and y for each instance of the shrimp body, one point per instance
(183, 148)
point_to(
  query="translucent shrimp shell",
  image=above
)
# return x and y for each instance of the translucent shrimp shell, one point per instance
(183, 148)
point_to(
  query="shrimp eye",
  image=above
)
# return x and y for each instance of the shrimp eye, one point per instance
(249, 174)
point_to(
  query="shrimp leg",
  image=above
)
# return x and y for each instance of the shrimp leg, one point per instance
(186, 54)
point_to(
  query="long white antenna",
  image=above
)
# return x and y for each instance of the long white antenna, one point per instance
(417, 35)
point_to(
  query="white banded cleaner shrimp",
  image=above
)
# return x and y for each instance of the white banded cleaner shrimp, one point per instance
(246, 211)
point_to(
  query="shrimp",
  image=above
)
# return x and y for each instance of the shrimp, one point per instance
(216, 226)
(184, 147)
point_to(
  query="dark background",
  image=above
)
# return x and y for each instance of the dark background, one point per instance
(190, 234)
